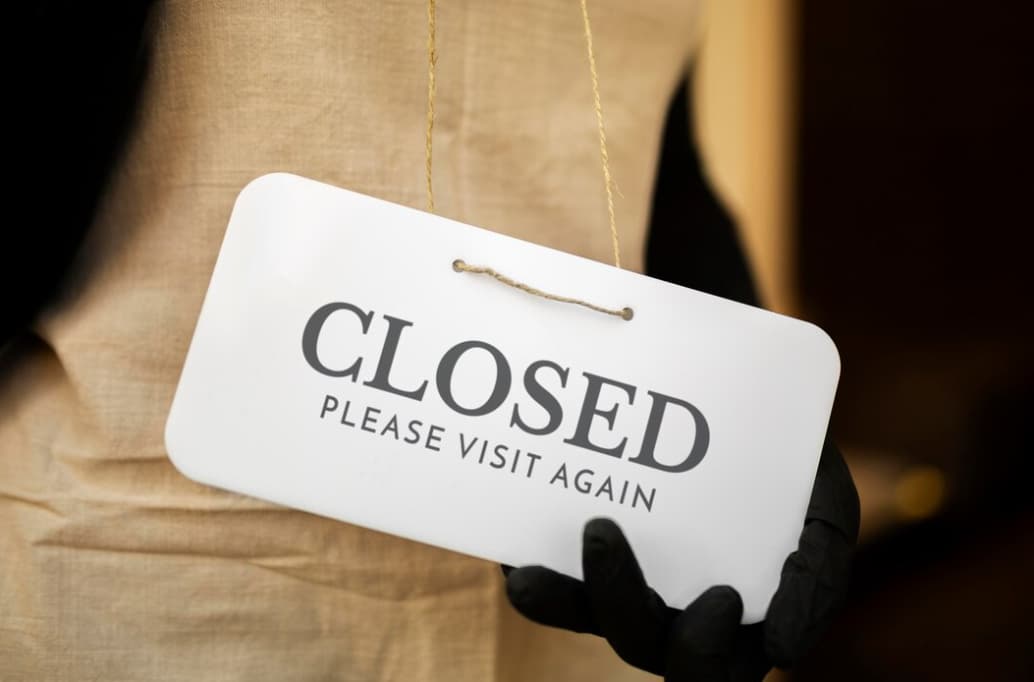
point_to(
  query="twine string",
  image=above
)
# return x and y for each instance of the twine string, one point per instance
(460, 266)
(625, 313)
(608, 182)
(432, 60)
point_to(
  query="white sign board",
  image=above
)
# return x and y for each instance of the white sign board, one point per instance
(341, 366)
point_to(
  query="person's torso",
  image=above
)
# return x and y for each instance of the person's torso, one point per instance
(114, 565)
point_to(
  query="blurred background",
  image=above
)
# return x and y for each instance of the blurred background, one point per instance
(878, 158)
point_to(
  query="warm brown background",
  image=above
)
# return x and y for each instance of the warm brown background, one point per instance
(878, 156)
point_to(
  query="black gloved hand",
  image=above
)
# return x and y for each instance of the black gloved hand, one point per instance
(705, 641)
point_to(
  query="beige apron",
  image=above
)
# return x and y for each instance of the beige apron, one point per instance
(113, 566)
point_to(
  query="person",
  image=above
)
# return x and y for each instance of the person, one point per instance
(141, 123)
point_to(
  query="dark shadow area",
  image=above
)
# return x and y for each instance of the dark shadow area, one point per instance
(913, 198)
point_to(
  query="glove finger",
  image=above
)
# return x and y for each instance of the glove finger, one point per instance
(633, 618)
(813, 586)
(550, 598)
(703, 636)
(834, 498)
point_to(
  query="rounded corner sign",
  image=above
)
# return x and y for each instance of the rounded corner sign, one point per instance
(342, 366)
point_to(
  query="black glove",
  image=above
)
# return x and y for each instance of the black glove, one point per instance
(705, 641)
